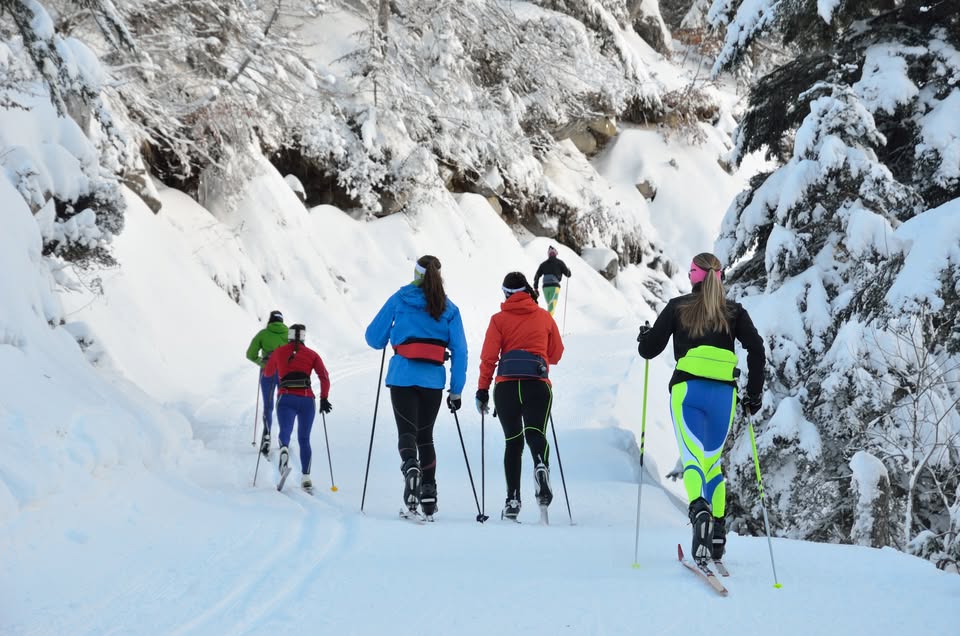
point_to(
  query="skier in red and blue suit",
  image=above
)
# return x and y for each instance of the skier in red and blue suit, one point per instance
(294, 362)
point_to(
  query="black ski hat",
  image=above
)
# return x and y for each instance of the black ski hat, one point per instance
(515, 280)
(275, 316)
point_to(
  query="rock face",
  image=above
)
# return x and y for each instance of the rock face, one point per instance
(140, 183)
(590, 136)
(584, 141)
(602, 259)
(649, 25)
(647, 189)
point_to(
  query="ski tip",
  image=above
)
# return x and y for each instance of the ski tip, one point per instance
(679, 552)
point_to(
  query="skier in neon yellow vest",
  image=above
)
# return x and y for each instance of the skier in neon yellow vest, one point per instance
(703, 390)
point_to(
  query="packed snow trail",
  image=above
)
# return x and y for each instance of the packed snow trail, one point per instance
(203, 552)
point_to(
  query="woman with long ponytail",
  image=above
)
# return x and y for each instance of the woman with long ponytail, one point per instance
(422, 324)
(703, 390)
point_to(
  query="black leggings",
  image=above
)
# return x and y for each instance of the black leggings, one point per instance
(523, 407)
(416, 411)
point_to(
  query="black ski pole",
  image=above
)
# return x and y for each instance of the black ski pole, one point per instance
(333, 485)
(256, 412)
(257, 469)
(254, 442)
(376, 404)
(480, 516)
(483, 473)
(560, 463)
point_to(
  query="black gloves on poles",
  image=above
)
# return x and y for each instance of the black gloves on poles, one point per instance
(453, 402)
(752, 404)
(643, 331)
(483, 400)
(325, 406)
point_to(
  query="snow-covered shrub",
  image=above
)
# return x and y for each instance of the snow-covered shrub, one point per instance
(199, 82)
(487, 86)
(63, 150)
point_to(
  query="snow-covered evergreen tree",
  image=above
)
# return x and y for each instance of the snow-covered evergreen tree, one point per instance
(860, 123)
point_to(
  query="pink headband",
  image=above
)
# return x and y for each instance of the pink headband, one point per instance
(697, 274)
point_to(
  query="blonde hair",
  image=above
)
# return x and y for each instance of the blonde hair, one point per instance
(706, 311)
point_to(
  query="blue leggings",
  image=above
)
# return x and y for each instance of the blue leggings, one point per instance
(268, 386)
(303, 409)
(702, 413)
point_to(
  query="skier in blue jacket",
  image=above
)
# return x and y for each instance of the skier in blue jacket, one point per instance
(421, 324)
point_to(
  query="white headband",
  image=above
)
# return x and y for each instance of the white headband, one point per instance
(507, 290)
(420, 269)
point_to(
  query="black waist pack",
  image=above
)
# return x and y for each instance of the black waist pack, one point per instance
(521, 364)
(295, 380)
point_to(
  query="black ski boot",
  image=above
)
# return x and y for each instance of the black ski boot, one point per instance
(541, 476)
(411, 484)
(719, 538)
(428, 499)
(702, 522)
(265, 442)
(511, 508)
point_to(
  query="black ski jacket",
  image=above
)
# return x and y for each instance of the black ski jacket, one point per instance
(552, 270)
(668, 324)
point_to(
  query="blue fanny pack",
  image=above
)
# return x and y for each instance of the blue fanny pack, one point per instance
(521, 364)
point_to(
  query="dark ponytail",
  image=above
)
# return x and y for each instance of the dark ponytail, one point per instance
(296, 334)
(432, 286)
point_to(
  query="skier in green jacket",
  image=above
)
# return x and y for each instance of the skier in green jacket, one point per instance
(262, 345)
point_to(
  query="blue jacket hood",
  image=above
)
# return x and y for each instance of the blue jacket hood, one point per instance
(412, 295)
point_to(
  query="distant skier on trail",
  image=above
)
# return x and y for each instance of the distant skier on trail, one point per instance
(263, 344)
(421, 323)
(294, 362)
(521, 343)
(703, 390)
(552, 271)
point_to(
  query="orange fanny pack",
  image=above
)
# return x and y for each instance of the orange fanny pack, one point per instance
(424, 350)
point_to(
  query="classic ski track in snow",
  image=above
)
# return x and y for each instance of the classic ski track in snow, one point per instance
(277, 577)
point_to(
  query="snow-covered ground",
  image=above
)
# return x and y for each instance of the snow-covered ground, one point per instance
(127, 503)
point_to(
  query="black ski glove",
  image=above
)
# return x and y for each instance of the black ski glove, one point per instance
(483, 400)
(325, 406)
(644, 329)
(453, 402)
(752, 404)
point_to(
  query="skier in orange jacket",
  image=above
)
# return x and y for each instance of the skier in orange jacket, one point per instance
(522, 342)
